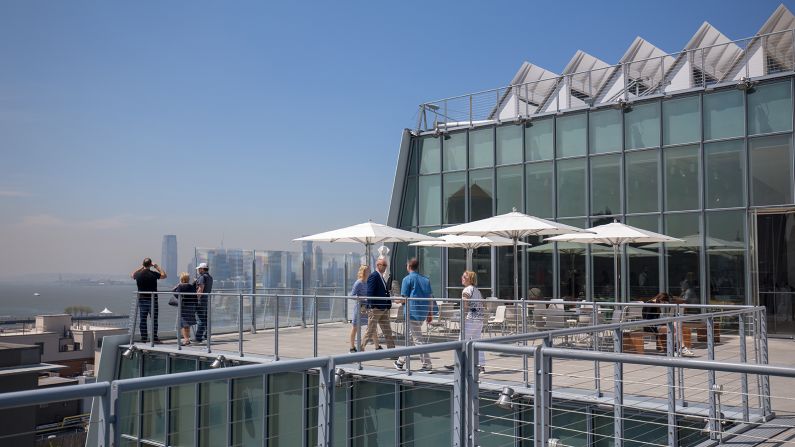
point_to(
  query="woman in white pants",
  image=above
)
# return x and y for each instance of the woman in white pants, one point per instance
(472, 304)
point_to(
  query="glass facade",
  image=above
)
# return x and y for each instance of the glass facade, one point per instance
(677, 165)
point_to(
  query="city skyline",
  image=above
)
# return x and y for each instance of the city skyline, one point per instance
(204, 128)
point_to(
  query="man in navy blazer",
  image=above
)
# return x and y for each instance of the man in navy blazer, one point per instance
(378, 304)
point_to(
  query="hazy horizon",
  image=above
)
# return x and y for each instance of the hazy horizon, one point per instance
(254, 123)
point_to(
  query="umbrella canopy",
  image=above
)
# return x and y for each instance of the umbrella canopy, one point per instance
(574, 248)
(106, 311)
(367, 233)
(713, 244)
(513, 225)
(615, 234)
(467, 242)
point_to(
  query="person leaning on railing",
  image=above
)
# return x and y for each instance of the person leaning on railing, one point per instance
(146, 281)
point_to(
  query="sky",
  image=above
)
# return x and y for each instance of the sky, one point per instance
(251, 123)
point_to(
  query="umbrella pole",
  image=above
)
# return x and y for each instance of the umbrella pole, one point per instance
(615, 272)
(515, 271)
(367, 253)
(469, 258)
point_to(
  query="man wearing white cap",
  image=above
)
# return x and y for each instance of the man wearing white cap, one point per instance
(204, 285)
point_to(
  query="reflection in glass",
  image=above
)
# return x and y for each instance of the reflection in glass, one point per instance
(605, 132)
(430, 155)
(455, 151)
(481, 192)
(775, 242)
(182, 408)
(538, 138)
(569, 426)
(285, 404)
(496, 424)
(509, 145)
(425, 416)
(213, 398)
(643, 261)
(571, 134)
(681, 120)
(572, 265)
(770, 108)
(509, 189)
(455, 197)
(724, 164)
(603, 273)
(373, 421)
(540, 267)
(481, 264)
(505, 272)
(247, 411)
(481, 148)
(771, 170)
(431, 266)
(571, 187)
(726, 256)
(128, 402)
(605, 185)
(681, 178)
(724, 114)
(430, 197)
(642, 180)
(408, 216)
(540, 201)
(683, 257)
(642, 126)
(456, 264)
(154, 401)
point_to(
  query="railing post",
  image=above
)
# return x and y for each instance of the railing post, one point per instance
(178, 325)
(763, 358)
(526, 376)
(153, 318)
(107, 416)
(276, 331)
(314, 326)
(470, 110)
(240, 326)
(133, 323)
(595, 342)
(115, 432)
(408, 334)
(325, 405)
(459, 396)
(618, 392)
(679, 329)
(542, 403)
(673, 437)
(743, 376)
(357, 315)
(472, 394)
(714, 427)
(209, 323)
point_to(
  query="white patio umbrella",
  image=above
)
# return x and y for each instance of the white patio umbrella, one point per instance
(469, 243)
(367, 233)
(617, 235)
(514, 226)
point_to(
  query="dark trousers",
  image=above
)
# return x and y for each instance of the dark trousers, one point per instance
(201, 316)
(147, 306)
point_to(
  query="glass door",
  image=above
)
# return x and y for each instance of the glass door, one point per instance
(775, 269)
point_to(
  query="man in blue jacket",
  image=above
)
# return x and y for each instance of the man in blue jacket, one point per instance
(378, 304)
(417, 286)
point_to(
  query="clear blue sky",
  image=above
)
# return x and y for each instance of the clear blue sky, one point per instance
(255, 122)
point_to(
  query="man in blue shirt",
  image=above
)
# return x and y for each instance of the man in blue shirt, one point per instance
(417, 286)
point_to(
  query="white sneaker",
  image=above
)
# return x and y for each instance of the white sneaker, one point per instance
(687, 352)
(426, 368)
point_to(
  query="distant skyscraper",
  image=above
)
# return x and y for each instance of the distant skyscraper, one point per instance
(317, 264)
(168, 257)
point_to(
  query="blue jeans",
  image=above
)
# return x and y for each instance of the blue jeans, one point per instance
(147, 306)
(201, 316)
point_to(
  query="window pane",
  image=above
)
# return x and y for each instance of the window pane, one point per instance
(538, 137)
(540, 201)
(430, 198)
(454, 197)
(605, 185)
(505, 266)
(425, 416)
(247, 411)
(481, 263)
(212, 412)
(373, 413)
(642, 126)
(571, 135)
(605, 133)
(183, 406)
(509, 144)
(455, 151)
(285, 404)
(725, 171)
(770, 108)
(683, 264)
(496, 424)
(723, 115)
(430, 259)
(642, 181)
(154, 401)
(681, 121)
(540, 267)
(572, 264)
(603, 273)
(643, 261)
(456, 264)
(480, 194)
(430, 155)
(681, 178)
(571, 187)
(726, 256)
(408, 215)
(569, 426)
(481, 148)
(509, 189)
(771, 170)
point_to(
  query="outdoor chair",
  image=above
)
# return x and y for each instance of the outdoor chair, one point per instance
(539, 316)
(498, 320)
(441, 323)
(513, 320)
(396, 318)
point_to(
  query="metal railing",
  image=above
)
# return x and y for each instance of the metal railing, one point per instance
(616, 84)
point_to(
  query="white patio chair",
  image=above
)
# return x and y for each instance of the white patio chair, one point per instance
(498, 320)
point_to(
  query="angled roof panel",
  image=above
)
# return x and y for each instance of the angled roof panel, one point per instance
(529, 87)
(584, 75)
(645, 68)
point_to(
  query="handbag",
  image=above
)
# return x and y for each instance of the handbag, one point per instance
(174, 301)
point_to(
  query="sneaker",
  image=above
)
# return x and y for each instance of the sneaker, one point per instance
(426, 368)
(157, 341)
(378, 348)
(450, 367)
(352, 350)
(687, 353)
(481, 369)
(398, 365)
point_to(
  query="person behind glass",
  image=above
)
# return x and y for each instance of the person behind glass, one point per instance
(473, 306)
(186, 293)
(204, 286)
(378, 304)
(654, 312)
(146, 281)
(358, 317)
(417, 286)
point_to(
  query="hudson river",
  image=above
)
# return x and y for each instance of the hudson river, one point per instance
(17, 298)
